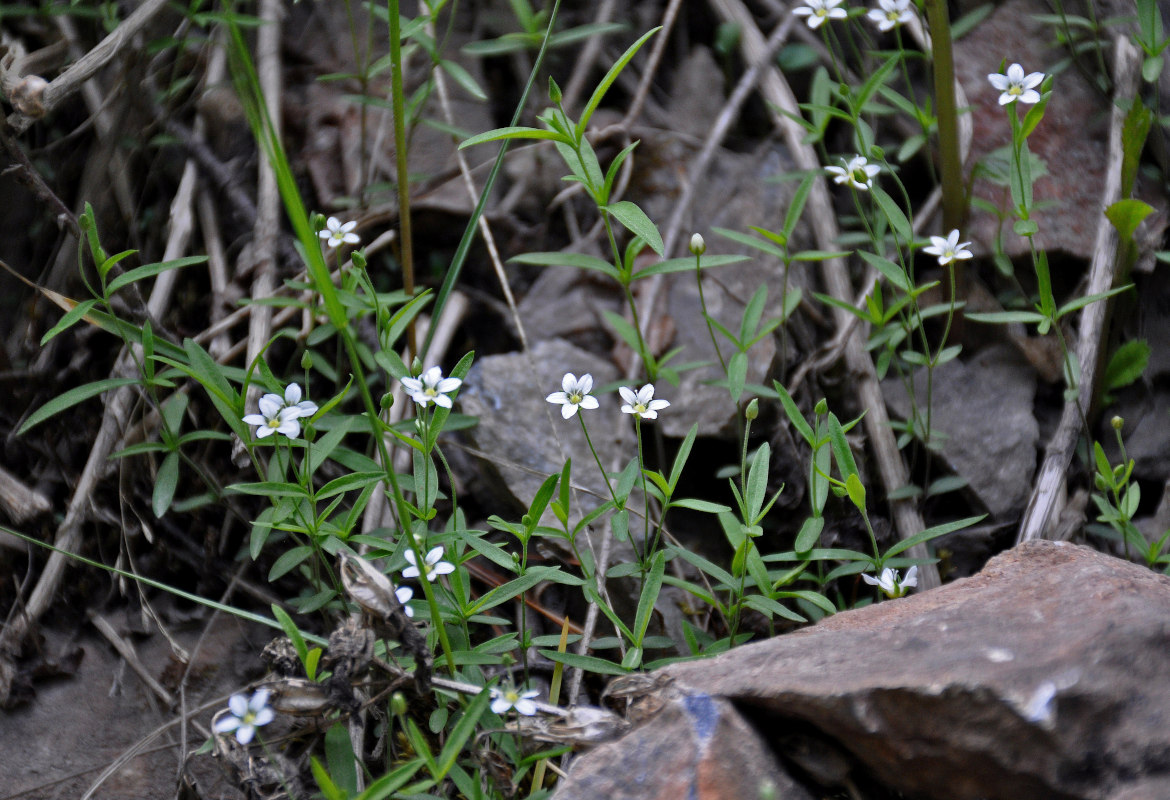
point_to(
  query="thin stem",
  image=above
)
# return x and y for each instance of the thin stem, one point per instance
(402, 176)
(597, 459)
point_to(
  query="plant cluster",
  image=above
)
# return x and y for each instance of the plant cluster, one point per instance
(430, 617)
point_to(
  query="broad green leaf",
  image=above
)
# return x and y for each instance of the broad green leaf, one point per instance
(636, 221)
(1126, 365)
(894, 214)
(810, 534)
(289, 560)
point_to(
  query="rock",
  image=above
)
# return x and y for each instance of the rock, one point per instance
(1072, 139)
(983, 409)
(698, 747)
(1042, 677)
(526, 434)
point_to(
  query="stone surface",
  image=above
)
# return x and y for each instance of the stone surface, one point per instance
(525, 433)
(983, 409)
(1041, 677)
(1072, 139)
(699, 747)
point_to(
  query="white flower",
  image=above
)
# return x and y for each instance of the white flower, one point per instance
(245, 716)
(890, 14)
(337, 234)
(948, 249)
(575, 394)
(431, 388)
(404, 593)
(642, 403)
(292, 399)
(281, 414)
(433, 567)
(818, 11)
(858, 173)
(1015, 85)
(509, 699)
(889, 583)
(275, 417)
(698, 246)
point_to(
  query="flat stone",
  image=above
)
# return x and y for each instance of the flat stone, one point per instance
(983, 409)
(525, 433)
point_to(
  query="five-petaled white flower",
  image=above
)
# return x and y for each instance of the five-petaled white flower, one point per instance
(1015, 85)
(509, 699)
(890, 13)
(889, 582)
(948, 249)
(281, 414)
(245, 716)
(642, 402)
(336, 233)
(404, 593)
(858, 173)
(574, 394)
(431, 388)
(818, 11)
(433, 566)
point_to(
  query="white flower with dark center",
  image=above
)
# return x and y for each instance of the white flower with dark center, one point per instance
(574, 394)
(948, 249)
(245, 716)
(889, 582)
(1015, 85)
(509, 699)
(890, 14)
(432, 387)
(337, 233)
(642, 402)
(432, 567)
(818, 11)
(858, 173)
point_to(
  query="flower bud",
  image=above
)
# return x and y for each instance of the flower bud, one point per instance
(698, 246)
(398, 704)
(1117, 422)
(387, 401)
(358, 259)
(554, 91)
(306, 360)
(753, 409)
(821, 408)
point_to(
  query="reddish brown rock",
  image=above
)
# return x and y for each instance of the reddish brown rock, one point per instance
(1042, 677)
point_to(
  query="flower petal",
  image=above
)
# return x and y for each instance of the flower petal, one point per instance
(588, 401)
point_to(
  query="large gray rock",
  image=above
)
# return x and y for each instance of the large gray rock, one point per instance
(1043, 676)
(983, 409)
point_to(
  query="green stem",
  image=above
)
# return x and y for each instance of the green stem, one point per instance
(402, 176)
(943, 59)
(604, 474)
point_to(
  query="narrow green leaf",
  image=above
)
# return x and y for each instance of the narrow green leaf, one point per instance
(611, 76)
(650, 588)
(151, 270)
(165, 483)
(592, 664)
(71, 398)
(71, 317)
